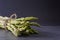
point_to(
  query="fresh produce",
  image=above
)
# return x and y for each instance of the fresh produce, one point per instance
(19, 26)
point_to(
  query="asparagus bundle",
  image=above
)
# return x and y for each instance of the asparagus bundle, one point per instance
(19, 26)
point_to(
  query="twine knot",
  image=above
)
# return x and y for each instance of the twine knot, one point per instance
(9, 19)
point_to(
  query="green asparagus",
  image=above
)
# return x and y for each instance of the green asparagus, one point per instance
(19, 26)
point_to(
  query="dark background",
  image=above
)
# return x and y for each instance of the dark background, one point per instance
(46, 10)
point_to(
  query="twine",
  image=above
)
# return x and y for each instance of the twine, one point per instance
(9, 20)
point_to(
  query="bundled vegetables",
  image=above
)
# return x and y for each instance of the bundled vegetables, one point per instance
(19, 26)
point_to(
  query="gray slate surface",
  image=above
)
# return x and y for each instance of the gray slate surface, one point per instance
(45, 33)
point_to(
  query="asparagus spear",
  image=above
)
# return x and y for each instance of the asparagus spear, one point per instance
(15, 32)
(27, 18)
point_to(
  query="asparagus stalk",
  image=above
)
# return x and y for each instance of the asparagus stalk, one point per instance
(15, 32)
(27, 18)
